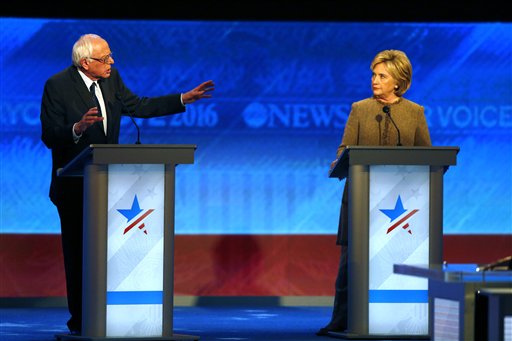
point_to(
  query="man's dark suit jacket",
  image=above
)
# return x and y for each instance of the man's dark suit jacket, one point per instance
(66, 99)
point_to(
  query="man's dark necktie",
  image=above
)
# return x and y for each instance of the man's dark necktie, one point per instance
(96, 101)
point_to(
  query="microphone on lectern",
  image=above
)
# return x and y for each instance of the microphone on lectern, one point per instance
(118, 96)
(387, 111)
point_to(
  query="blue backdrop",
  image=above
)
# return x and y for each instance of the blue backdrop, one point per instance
(267, 137)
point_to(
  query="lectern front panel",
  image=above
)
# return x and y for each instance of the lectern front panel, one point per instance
(398, 234)
(135, 250)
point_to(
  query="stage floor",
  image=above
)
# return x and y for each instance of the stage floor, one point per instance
(209, 323)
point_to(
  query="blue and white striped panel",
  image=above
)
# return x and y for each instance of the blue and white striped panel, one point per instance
(135, 250)
(399, 234)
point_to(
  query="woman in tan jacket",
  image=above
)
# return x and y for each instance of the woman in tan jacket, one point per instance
(385, 119)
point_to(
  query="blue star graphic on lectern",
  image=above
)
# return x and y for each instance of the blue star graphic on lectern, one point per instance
(397, 211)
(132, 212)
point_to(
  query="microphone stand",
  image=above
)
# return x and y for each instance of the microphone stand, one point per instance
(118, 96)
(387, 111)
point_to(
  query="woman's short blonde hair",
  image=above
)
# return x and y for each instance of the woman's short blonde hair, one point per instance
(398, 66)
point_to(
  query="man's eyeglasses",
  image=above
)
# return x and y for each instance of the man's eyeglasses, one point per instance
(104, 59)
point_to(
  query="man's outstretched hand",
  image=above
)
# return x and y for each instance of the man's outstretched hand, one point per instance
(203, 90)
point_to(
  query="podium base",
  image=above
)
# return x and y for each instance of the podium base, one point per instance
(175, 337)
(352, 336)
